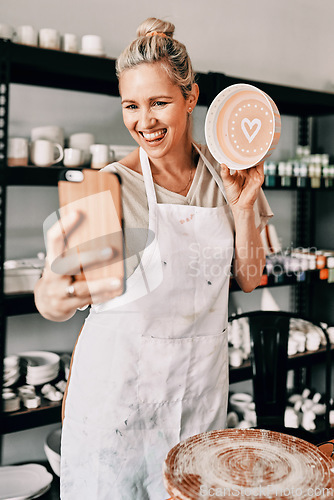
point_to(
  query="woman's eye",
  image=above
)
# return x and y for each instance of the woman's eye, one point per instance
(131, 106)
(159, 103)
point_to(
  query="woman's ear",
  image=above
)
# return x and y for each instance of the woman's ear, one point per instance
(193, 96)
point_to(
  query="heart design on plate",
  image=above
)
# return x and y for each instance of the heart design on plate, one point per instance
(254, 123)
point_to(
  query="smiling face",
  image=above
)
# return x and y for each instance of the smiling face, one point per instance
(154, 109)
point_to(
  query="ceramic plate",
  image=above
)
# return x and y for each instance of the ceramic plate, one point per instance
(242, 126)
(22, 482)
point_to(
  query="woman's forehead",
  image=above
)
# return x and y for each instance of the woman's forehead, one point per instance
(145, 78)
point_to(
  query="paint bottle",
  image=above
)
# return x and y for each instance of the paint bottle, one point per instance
(312, 261)
(285, 173)
(326, 176)
(330, 265)
(299, 152)
(306, 151)
(331, 175)
(301, 179)
(325, 170)
(270, 174)
(314, 173)
(321, 259)
(281, 172)
(315, 178)
(288, 174)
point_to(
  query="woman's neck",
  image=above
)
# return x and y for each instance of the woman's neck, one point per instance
(175, 163)
(176, 173)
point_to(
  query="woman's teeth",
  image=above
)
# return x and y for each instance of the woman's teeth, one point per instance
(153, 136)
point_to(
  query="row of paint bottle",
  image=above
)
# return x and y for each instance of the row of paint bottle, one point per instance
(294, 262)
(305, 170)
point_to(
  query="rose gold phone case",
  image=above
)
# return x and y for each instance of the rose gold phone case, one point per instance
(98, 198)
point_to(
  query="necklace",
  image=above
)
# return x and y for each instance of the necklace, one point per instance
(191, 170)
(183, 189)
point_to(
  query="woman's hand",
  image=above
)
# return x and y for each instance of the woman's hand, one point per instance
(58, 296)
(243, 186)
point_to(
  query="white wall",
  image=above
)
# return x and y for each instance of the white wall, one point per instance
(286, 41)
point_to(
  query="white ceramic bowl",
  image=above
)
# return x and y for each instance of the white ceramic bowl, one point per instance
(52, 450)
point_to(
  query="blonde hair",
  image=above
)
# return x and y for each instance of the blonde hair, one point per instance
(155, 43)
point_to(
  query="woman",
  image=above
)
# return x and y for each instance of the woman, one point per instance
(150, 367)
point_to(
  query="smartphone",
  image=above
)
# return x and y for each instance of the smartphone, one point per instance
(94, 249)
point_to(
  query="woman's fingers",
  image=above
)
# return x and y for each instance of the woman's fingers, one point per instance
(227, 174)
(103, 290)
(73, 262)
(58, 299)
(81, 292)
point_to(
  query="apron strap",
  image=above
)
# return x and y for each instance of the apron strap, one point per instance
(148, 179)
(213, 171)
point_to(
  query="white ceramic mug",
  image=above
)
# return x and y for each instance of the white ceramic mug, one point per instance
(100, 155)
(70, 42)
(52, 133)
(26, 35)
(73, 157)
(49, 38)
(118, 152)
(92, 44)
(45, 153)
(83, 141)
(18, 152)
(6, 31)
(240, 401)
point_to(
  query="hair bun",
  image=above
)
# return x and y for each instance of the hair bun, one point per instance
(153, 24)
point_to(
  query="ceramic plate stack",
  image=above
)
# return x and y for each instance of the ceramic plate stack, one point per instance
(42, 366)
(11, 370)
(23, 482)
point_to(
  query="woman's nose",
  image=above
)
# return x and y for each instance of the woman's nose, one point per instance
(147, 119)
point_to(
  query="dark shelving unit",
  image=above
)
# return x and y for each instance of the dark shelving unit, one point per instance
(47, 413)
(25, 65)
(305, 359)
(16, 304)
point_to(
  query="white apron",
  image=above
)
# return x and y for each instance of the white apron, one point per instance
(151, 367)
